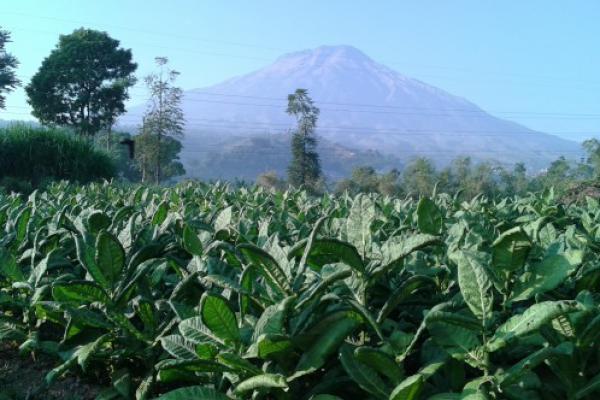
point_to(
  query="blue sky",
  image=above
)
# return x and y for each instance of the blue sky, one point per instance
(534, 62)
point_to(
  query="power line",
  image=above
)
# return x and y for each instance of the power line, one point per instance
(157, 33)
(202, 123)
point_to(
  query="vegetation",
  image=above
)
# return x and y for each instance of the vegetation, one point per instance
(83, 83)
(157, 148)
(8, 64)
(204, 292)
(304, 169)
(31, 156)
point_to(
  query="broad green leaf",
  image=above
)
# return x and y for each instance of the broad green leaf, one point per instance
(529, 321)
(408, 389)
(358, 224)
(510, 249)
(264, 381)
(110, 258)
(223, 219)
(546, 275)
(326, 344)
(267, 266)
(363, 375)
(397, 247)
(191, 242)
(21, 224)
(178, 347)
(475, 285)
(194, 330)
(160, 214)
(79, 292)
(9, 267)
(97, 221)
(429, 217)
(237, 363)
(333, 250)
(381, 362)
(218, 317)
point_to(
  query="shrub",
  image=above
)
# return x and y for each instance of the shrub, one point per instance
(35, 155)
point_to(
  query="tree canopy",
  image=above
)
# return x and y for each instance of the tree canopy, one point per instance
(8, 64)
(83, 83)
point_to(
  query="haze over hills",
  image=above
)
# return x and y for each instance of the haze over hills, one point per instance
(365, 107)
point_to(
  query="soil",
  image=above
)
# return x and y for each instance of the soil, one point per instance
(22, 377)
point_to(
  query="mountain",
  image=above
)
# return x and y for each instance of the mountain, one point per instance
(365, 106)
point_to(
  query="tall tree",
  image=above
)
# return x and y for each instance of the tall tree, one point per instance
(8, 64)
(164, 116)
(83, 83)
(305, 168)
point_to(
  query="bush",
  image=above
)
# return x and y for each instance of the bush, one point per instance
(35, 155)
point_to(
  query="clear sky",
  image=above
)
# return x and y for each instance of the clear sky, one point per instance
(534, 62)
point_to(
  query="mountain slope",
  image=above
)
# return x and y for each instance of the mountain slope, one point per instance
(366, 106)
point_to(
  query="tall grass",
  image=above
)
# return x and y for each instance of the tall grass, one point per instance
(34, 155)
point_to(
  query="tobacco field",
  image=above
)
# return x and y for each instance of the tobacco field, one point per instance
(208, 292)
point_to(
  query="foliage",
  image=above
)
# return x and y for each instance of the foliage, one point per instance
(304, 169)
(156, 147)
(8, 64)
(31, 156)
(200, 291)
(83, 83)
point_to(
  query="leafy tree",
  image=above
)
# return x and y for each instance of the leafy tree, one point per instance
(8, 64)
(419, 177)
(366, 180)
(164, 118)
(83, 83)
(305, 168)
(149, 153)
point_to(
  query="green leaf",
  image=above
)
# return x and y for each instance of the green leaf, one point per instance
(326, 344)
(97, 221)
(79, 292)
(263, 381)
(380, 362)
(510, 249)
(195, 331)
(191, 242)
(408, 389)
(110, 258)
(21, 224)
(160, 214)
(397, 247)
(546, 275)
(239, 364)
(429, 217)
(194, 393)
(363, 375)
(529, 321)
(332, 250)
(267, 266)
(218, 317)
(223, 219)
(358, 224)
(9, 267)
(178, 347)
(475, 285)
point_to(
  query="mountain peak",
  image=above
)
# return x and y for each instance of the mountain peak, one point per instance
(324, 56)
